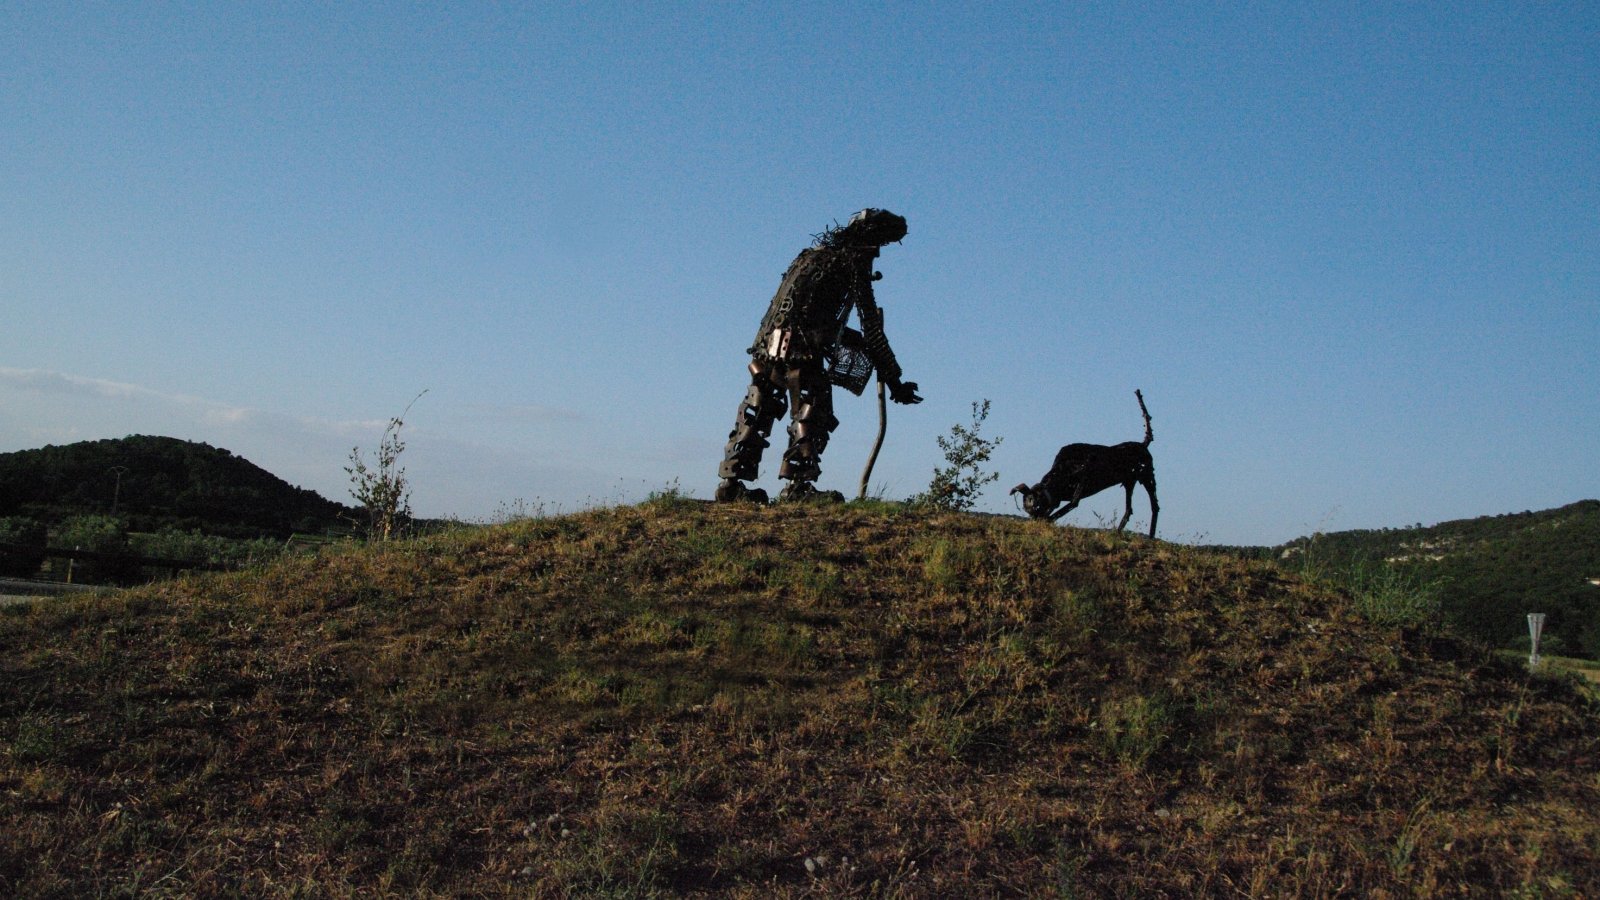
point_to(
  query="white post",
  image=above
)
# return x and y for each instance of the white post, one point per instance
(1535, 628)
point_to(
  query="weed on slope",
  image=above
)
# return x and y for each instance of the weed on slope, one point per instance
(865, 700)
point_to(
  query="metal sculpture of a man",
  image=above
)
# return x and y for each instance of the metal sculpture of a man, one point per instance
(804, 347)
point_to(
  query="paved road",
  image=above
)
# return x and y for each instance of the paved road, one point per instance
(17, 590)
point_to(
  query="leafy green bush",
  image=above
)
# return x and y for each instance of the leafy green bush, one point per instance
(99, 534)
(26, 533)
(956, 486)
(192, 546)
(102, 534)
(1390, 595)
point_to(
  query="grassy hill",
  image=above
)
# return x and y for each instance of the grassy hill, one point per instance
(679, 698)
(1490, 571)
(160, 483)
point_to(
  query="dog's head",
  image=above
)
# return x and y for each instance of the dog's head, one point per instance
(1036, 500)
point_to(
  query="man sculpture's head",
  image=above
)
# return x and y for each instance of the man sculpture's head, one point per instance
(870, 228)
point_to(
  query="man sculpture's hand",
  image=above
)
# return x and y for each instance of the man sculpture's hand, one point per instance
(904, 392)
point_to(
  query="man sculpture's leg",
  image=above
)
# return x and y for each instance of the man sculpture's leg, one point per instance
(741, 458)
(810, 423)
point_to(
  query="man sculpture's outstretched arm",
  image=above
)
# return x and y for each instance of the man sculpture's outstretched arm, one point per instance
(879, 352)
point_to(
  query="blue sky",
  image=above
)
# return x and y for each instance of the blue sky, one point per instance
(1348, 251)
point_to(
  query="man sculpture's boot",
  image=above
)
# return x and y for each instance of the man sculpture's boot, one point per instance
(806, 492)
(731, 490)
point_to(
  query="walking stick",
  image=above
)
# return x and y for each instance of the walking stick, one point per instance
(883, 426)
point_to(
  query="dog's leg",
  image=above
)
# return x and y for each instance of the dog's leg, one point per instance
(1071, 505)
(1149, 482)
(1127, 512)
(1077, 496)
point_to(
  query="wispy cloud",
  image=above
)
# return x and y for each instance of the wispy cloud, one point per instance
(45, 383)
(41, 381)
(462, 460)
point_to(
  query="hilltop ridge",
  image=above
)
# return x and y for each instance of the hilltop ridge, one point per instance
(161, 482)
(681, 698)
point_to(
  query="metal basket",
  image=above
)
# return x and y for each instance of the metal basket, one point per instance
(848, 365)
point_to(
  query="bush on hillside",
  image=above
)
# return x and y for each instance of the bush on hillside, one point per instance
(209, 549)
(98, 534)
(22, 532)
(957, 486)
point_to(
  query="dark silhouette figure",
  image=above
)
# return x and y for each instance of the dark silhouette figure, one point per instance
(803, 348)
(1083, 470)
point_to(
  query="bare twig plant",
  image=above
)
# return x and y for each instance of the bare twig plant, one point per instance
(382, 488)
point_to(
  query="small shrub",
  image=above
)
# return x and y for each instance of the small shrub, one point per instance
(957, 486)
(1387, 595)
(382, 489)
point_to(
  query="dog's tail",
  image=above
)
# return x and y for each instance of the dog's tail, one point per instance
(1148, 434)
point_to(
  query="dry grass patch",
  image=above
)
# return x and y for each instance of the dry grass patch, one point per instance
(679, 698)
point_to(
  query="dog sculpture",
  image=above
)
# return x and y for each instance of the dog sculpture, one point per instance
(1083, 470)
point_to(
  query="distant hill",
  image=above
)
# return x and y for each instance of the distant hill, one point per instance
(1492, 571)
(164, 483)
(687, 699)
